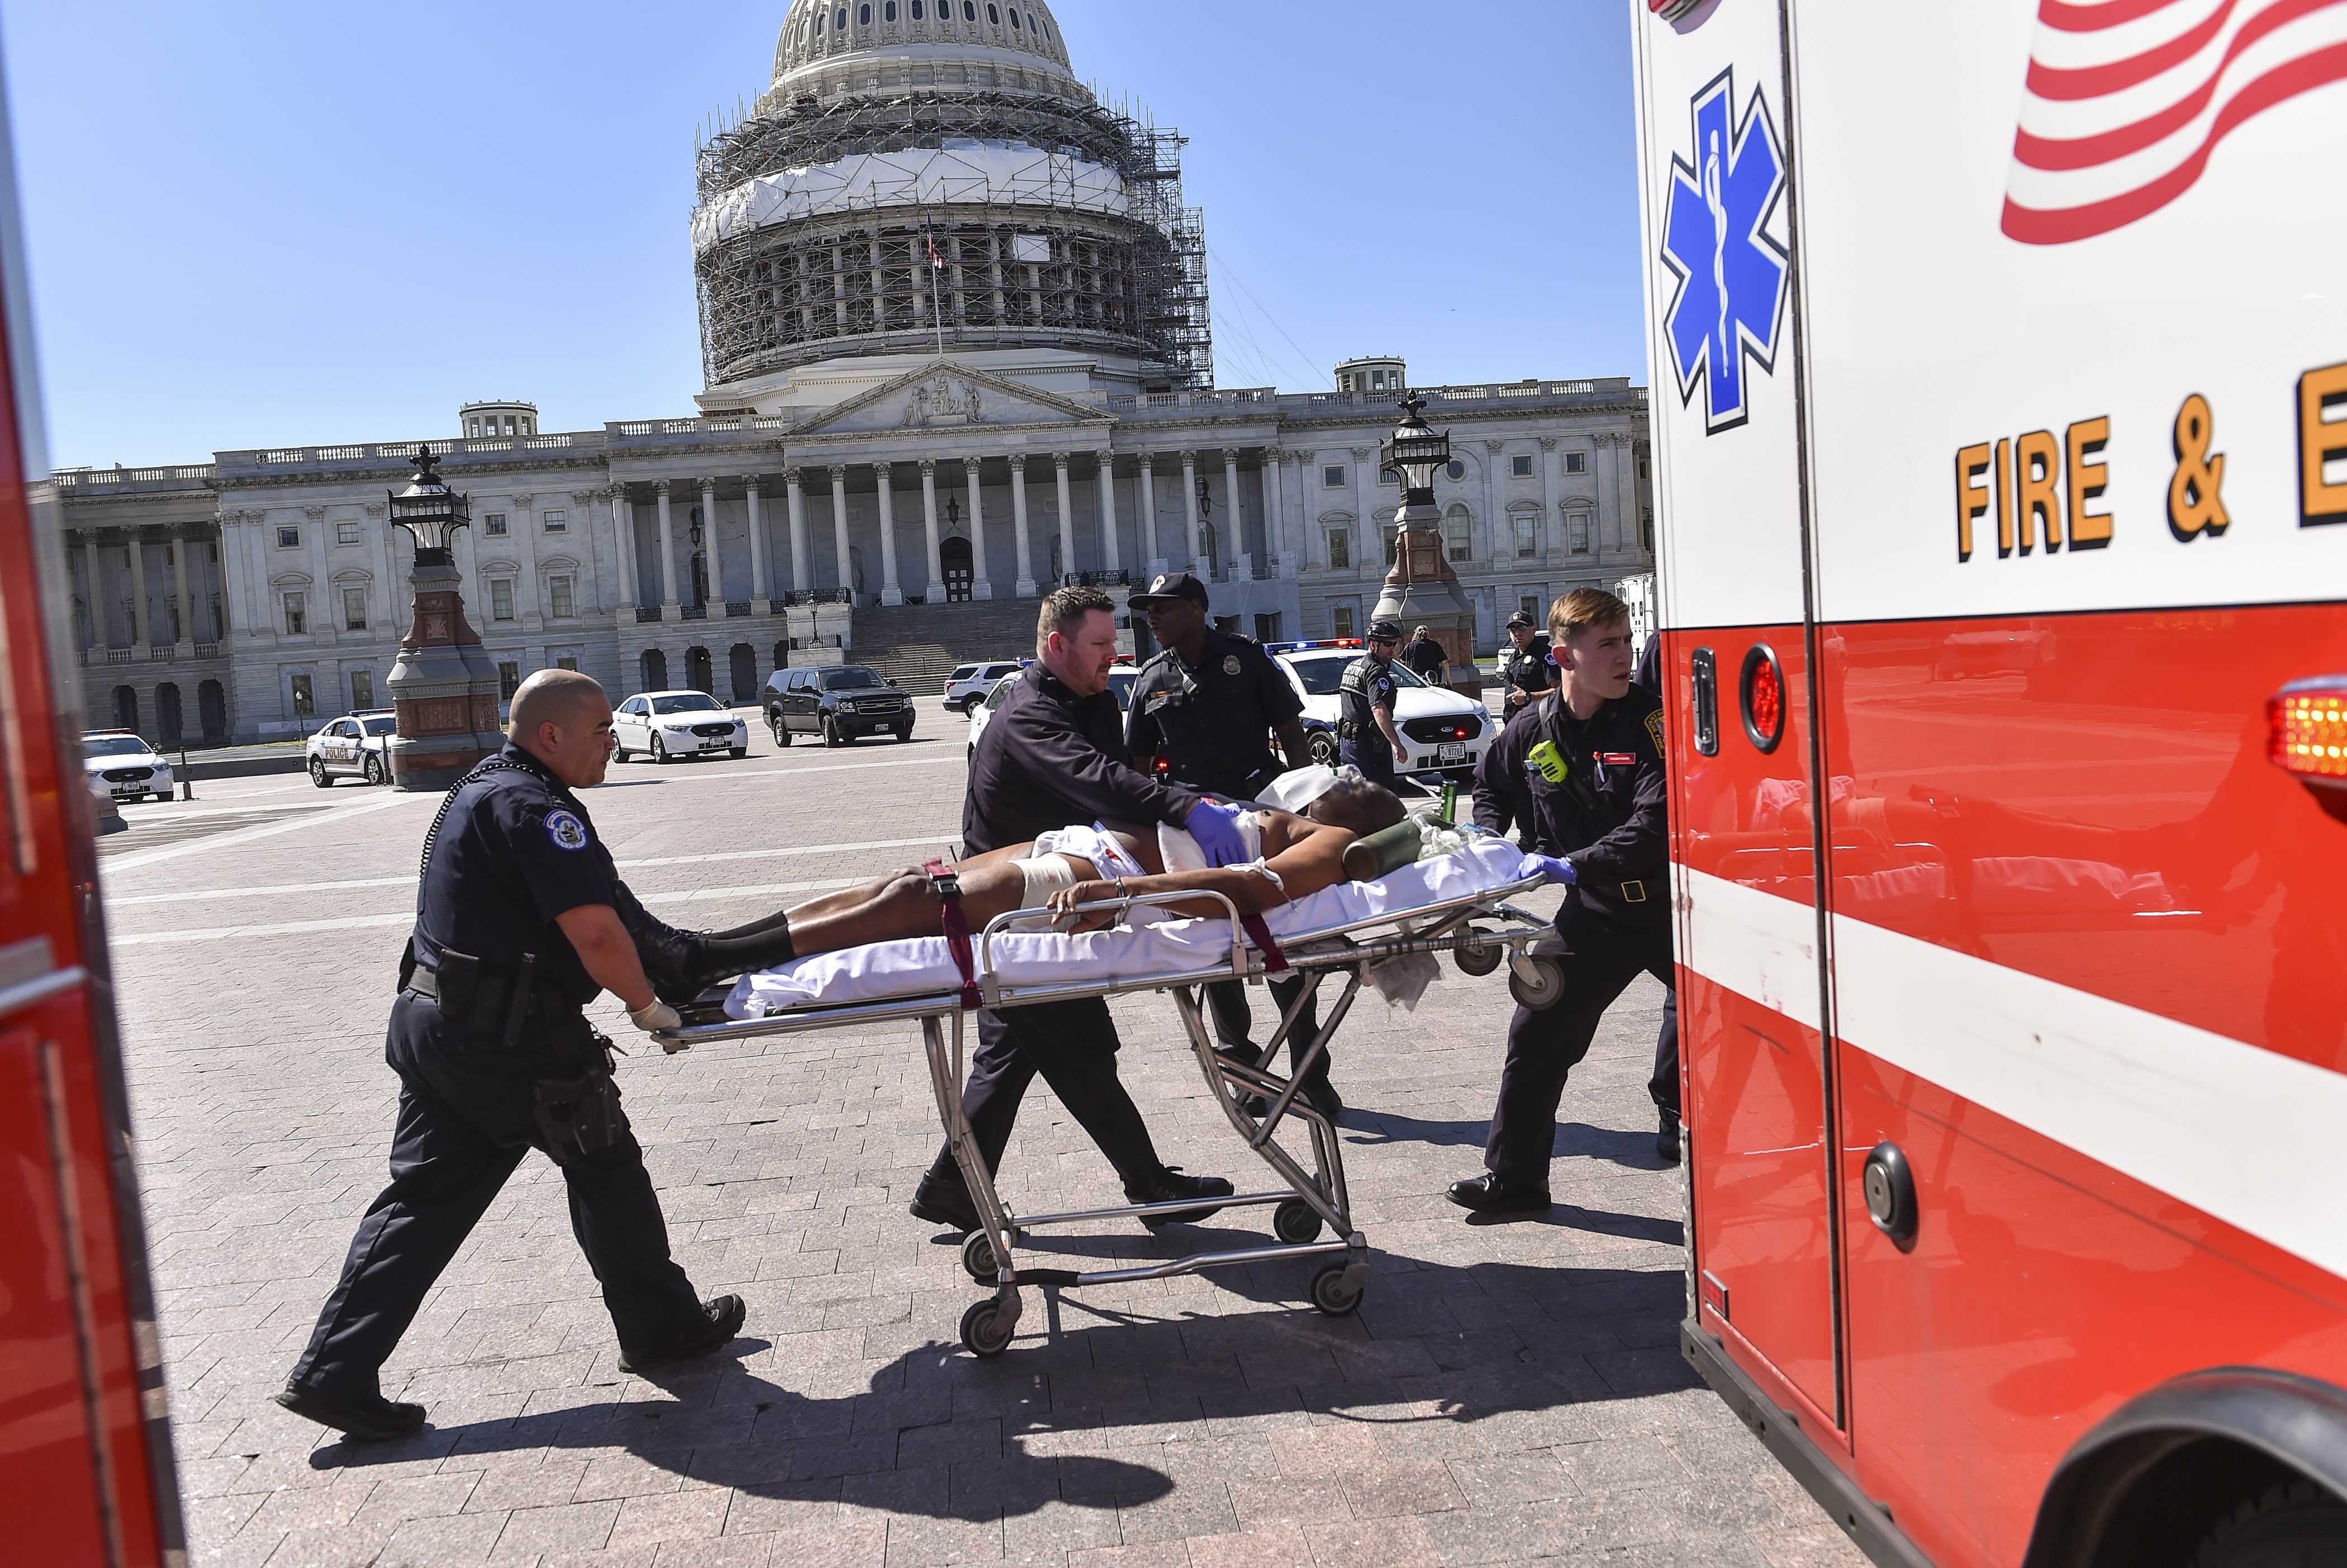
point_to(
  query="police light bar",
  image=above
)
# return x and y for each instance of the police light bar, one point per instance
(2306, 737)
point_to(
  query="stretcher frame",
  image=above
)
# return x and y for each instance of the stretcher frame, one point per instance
(1309, 1199)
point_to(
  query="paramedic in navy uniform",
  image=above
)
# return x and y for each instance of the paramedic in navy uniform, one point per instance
(1585, 766)
(1207, 707)
(1053, 756)
(516, 930)
(1366, 736)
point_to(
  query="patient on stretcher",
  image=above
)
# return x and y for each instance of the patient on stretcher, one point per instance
(1296, 855)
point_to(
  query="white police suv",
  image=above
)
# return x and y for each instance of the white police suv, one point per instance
(355, 746)
(1446, 733)
(120, 767)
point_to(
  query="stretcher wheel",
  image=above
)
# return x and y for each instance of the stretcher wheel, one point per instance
(1478, 958)
(983, 1332)
(1296, 1222)
(977, 1259)
(1330, 1292)
(1536, 983)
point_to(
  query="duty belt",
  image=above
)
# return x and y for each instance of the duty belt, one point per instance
(492, 996)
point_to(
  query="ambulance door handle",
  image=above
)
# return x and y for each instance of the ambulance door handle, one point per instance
(1890, 1188)
(1705, 668)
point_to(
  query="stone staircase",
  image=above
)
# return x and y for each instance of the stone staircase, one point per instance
(918, 645)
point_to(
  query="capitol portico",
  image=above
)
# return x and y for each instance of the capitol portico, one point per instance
(888, 457)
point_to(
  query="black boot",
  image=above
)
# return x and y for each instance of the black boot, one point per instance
(671, 959)
(944, 1200)
(1169, 1186)
(1493, 1195)
(1667, 1138)
(362, 1418)
(745, 949)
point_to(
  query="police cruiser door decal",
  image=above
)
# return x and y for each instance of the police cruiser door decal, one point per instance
(1731, 272)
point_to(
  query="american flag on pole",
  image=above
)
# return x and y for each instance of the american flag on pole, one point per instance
(2127, 100)
(930, 237)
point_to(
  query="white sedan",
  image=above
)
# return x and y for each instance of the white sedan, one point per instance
(1445, 731)
(120, 767)
(356, 745)
(666, 724)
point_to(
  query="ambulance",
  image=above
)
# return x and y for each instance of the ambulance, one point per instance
(1999, 371)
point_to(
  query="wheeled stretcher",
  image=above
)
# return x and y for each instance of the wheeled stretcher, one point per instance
(1427, 907)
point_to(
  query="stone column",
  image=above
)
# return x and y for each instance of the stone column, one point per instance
(1368, 544)
(138, 608)
(179, 580)
(843, 570)
(1148, 535)
(884, 475)
(978, 587)
(668, 610)
(1271, 473)
(623, 541)
(1625, 476)
(1494, 515)
(1109, 552)
(97, 600)
(1551, 522)
(709, 532)
(1060, 461)
(1025, 581)
(1231, 491)
(761, 579)
(937, 588)
(1609, 531)
(1190, 510)
(794, 498)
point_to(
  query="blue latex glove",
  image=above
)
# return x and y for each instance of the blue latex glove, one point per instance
(1555, 870)
(1212, 826)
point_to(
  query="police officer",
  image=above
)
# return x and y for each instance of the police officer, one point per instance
(1206, 707)
(1052, 755)
(516, 930)
(1585, 765)
(1366, 735)
(1663, 1088)
(1524, 674)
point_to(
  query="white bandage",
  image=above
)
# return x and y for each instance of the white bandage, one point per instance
(1043, 876)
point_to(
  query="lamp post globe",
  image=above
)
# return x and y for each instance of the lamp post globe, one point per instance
(444, 690)
(1421, 590)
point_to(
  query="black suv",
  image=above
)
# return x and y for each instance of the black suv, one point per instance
(839, 703)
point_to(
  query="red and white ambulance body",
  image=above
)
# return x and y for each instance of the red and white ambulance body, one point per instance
(2000, 404)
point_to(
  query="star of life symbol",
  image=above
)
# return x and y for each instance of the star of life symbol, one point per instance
(1731, 272)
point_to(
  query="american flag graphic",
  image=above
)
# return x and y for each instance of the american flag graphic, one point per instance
(2127, 100)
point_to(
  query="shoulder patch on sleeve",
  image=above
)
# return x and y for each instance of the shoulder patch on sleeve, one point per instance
(1655, 728)
(567, 831)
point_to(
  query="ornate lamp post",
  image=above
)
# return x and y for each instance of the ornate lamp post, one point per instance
(1421, 590)
(443, 686)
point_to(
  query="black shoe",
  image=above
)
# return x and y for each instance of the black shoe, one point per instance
(721, 1317)
(1322, 1097)
(944, 1200)
(362, 1418)
(1170, 1185)
(1491, 1195)
(1667, 1141)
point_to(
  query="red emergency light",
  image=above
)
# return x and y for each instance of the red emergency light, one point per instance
(2306, 737)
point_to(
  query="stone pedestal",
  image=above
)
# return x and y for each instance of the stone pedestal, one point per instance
(1422, 591)
(443, 687)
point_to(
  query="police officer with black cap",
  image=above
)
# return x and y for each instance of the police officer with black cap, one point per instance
(1524, 670)
(1584, 764)
(516, 928)
(1207, 708)
(1366, 735)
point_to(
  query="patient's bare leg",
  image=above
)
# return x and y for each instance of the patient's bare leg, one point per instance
(903, 906)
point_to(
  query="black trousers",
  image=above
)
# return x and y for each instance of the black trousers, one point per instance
(1601, 957)
(1073, 1045)
(1374, 758)
(1227, 1003)
(466, 1120)
(1664, 1086)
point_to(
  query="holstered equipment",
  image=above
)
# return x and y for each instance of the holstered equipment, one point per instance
(955, 926)
(577, 1115)
(480, 1001)
(518, 1006)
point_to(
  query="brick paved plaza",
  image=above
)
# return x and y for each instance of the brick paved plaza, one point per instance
(1507, 1391)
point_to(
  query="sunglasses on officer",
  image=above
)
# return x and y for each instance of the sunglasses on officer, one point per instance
(1385, 641)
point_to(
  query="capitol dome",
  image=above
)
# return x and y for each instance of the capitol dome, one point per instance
(892, 126)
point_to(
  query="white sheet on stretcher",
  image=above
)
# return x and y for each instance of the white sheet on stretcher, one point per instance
(923, 965)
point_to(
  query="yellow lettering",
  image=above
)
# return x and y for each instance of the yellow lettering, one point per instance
(2004, 495)
(2088, 479)
(1971, 497)
(2195, 497)
(2322, 441)
(2037, 488)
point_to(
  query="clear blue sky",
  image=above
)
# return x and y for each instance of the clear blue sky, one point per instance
(272, 223)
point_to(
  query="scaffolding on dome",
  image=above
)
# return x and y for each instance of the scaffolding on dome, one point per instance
(856, 274)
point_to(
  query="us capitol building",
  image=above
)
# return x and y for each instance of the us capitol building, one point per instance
(892, 450)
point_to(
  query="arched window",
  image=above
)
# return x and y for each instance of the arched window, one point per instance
(864, 15)
(1014, 16)
(1459, 533)
(888, 12)
(839, 20)
(994, 16)
(916, 10)
(970, 10)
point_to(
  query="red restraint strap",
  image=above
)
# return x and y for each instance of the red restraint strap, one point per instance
(949, 887)
(1273, 961)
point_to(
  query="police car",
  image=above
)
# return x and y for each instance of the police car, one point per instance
(666, 724)
(1445, 731)
(1121, 681)
(967, 687)
(120, 767)
(356, 745)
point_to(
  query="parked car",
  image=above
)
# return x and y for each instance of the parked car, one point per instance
(120, 767)
(356, 745)
(667, 724)
(1121, 681)
(1446, 733)
(840, 703)
(967, 687)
